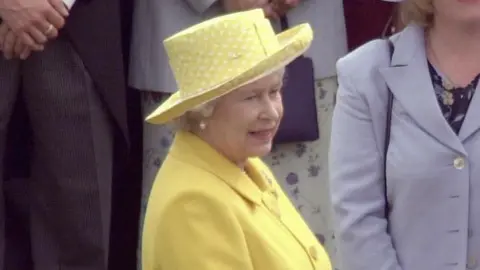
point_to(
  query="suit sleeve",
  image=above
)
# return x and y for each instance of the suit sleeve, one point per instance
(357, 185)
(200, 232)
(200, 6)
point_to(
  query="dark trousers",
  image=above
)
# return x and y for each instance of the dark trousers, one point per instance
(67, 199)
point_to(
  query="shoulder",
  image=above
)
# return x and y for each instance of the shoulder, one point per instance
(184, 225)
(196, 203)
(183, 193)
(180, 186)
(177, 177)
(363, 61)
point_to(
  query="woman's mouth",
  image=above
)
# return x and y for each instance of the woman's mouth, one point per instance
(263, 135)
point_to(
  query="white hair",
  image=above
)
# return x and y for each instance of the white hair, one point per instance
(192, 118)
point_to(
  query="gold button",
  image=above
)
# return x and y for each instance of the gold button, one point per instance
(459, 163)
(472, 262)
(275, 193)
(313, 253)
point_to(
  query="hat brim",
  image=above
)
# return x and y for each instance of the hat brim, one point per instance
(293, 43)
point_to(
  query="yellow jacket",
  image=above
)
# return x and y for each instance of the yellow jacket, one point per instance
(205, 213)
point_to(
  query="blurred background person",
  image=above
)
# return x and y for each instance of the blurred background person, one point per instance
(65, 70)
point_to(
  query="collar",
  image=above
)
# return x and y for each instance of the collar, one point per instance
(190, 149)
(409, 43)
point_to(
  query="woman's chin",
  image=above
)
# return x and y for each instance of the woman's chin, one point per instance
(260, 150)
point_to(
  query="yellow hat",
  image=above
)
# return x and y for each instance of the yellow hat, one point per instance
(217, 56)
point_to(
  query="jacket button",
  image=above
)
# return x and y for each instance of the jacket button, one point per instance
(472, 263)
(459, 163)
(272, 204)
(313, 253)
(275, 193)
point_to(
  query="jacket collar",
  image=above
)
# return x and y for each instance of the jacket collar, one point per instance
(409, 80)
(196, 152)
(408, 43)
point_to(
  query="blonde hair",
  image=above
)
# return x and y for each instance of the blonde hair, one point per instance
(420, 12)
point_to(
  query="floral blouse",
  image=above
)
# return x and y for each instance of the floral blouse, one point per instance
(453, 101)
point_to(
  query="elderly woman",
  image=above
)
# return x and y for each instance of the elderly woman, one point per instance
(214, 203)
(424, 212)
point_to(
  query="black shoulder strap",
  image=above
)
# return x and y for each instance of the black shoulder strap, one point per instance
(284, 23)
(387, 131)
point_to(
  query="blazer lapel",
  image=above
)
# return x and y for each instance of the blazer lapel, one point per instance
(409, 80)
(471, 124)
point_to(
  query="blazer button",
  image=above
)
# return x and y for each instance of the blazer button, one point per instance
(313, 253)
(275, 193)
(459, 163)
(272, 204)
(472, 263)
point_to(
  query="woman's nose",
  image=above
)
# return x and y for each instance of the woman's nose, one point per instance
(271, 110)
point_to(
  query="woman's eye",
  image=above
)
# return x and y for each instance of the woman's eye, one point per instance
(274, 92)
(250, 97)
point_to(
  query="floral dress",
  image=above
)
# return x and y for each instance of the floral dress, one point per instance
(453, 101)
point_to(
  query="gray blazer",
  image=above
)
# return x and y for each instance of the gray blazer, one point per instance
(433, 175)
(328, 23)
(153, 21)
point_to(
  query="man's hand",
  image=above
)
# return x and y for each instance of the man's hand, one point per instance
(11, 45)
(241, 5)
(33, 21)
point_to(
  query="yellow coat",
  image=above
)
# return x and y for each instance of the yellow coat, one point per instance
(205, 213)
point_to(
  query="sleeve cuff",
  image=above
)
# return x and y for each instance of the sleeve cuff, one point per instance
(69, 3)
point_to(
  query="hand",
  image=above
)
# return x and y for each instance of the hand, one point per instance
(241, 5)
(281, 7)
(11, 45)
(30, 19)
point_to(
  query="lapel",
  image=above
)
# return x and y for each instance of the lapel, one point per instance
(471, 124)
(409, 80)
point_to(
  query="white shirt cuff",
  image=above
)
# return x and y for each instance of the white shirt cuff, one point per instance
(69, 3)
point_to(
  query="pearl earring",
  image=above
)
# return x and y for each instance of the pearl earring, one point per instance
(202, 125)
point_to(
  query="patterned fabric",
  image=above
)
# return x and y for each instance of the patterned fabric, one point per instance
(66, 201)
(453, 101)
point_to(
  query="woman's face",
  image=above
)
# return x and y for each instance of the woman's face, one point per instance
(458, 11)
(245, 121)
